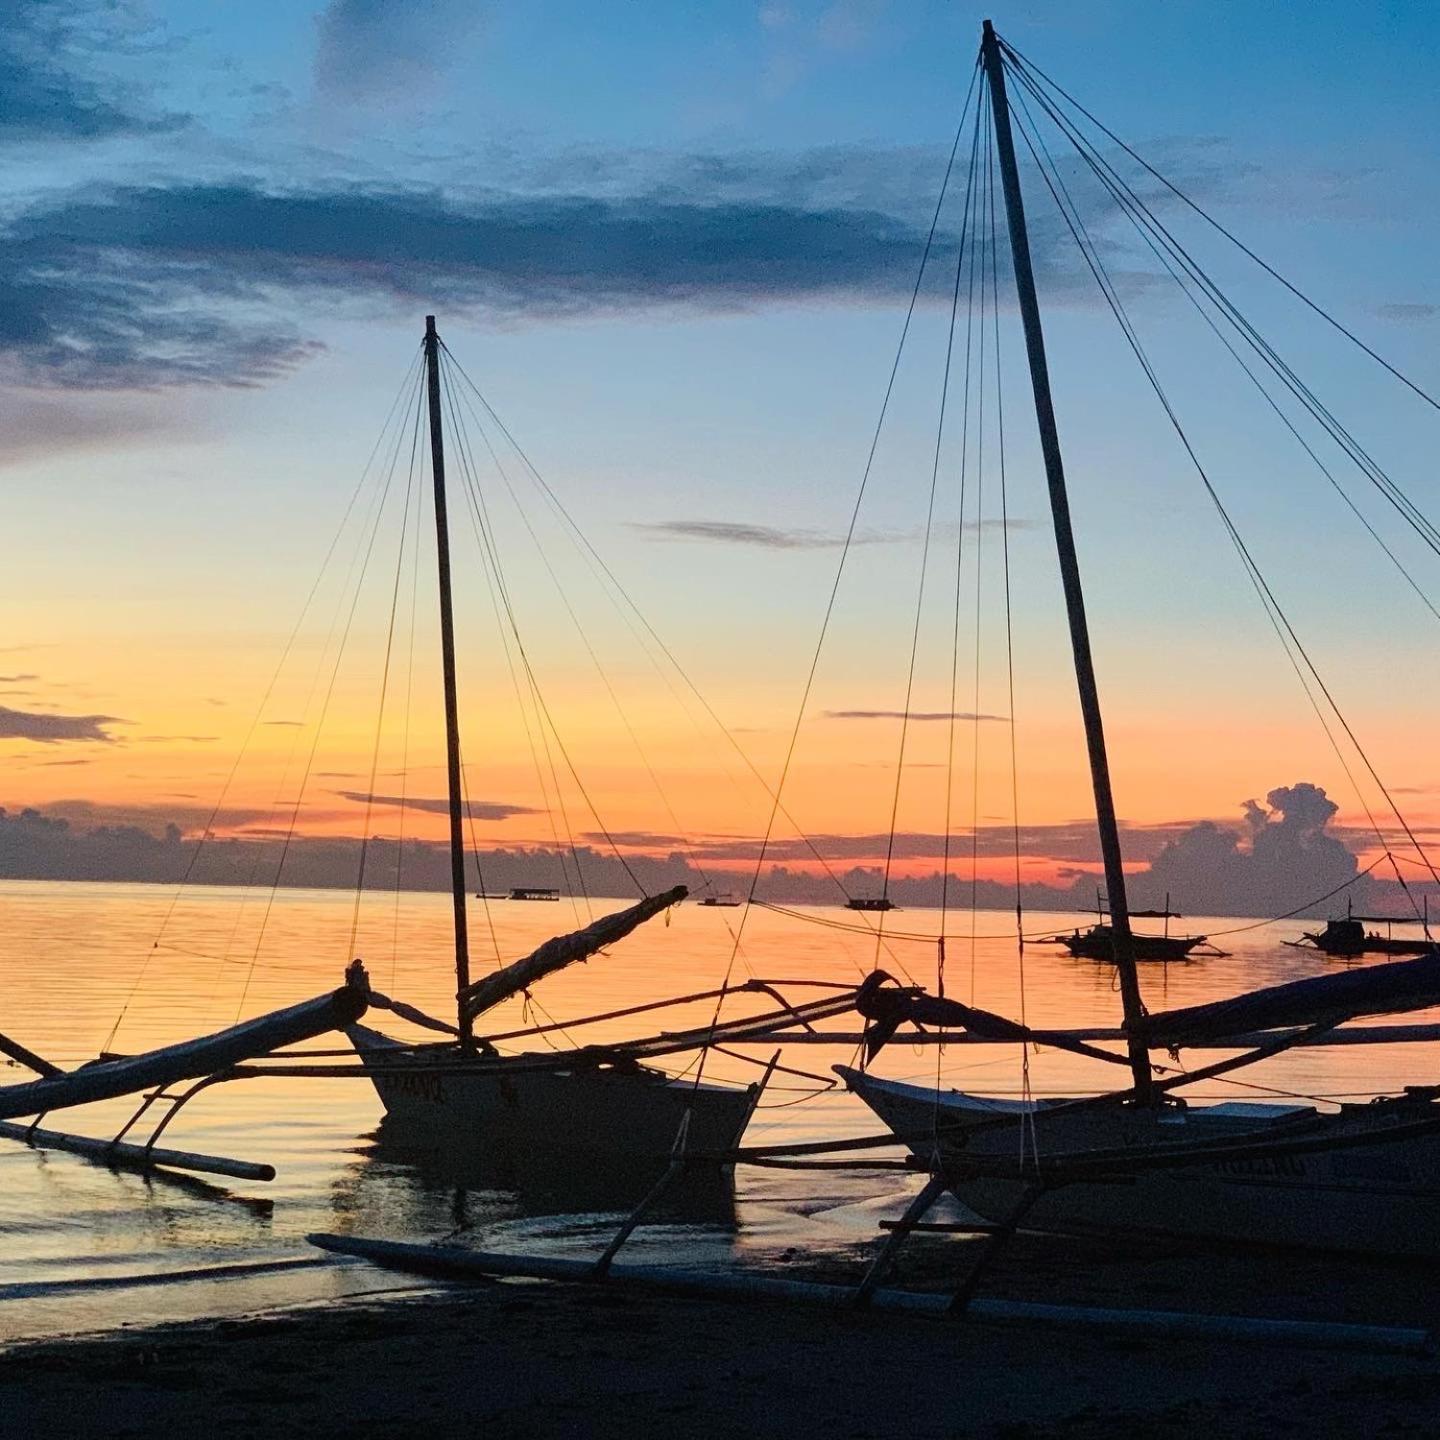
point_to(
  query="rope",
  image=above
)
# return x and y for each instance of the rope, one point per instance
(1256, 576)
(1025, 66)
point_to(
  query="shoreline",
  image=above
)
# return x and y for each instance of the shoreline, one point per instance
(541, 1360)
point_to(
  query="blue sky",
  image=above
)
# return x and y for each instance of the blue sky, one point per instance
(674, 243)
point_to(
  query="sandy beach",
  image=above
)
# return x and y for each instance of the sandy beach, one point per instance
(539, 1360)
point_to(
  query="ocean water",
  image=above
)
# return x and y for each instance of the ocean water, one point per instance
(128, 967)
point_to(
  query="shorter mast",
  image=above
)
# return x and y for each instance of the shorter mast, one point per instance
(1121, 939)
(447, 653)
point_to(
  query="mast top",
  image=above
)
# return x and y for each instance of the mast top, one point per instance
(430, 324)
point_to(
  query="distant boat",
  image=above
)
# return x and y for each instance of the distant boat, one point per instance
(722, 902)
(870, 902)
(1348, 937)
(533, 892)
(1098, 943)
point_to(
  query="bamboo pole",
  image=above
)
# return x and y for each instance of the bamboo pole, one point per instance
(123, 1155)
(448, 1262)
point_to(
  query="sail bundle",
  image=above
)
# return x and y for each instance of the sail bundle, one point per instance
(563, 950)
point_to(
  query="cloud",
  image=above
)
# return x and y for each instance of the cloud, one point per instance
(50, 729)
(774, 537)
(286, 724)
(32, 424)
(166, 285)
(389, 49)
(173, 739)
(1407, 312)
(52, 82)
(16, 679)
(1290, 859)
(914, 715)
(197, 282)
(730, 532)
(439, 805)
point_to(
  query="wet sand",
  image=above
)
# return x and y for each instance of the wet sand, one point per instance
(536, 1360)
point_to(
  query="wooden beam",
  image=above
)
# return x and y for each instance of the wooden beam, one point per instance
(126, 1156)
(189, 1060)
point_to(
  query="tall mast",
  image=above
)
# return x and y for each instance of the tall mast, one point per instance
(447, 653)
(1124, 945)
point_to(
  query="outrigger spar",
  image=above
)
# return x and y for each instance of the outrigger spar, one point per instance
(1122, 941)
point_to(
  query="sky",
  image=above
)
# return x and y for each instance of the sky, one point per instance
(673, 247)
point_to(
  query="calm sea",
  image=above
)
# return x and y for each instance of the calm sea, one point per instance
(131, 966)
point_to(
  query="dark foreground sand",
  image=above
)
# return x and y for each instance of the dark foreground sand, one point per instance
(533, 1360)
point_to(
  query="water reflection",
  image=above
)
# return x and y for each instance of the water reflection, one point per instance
(73, 957)
(467, 1187)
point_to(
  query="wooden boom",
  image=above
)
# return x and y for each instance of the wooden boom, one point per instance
(563, 950)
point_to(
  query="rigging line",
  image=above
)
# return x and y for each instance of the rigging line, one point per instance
(1088, 250)
(961, 256)
(971, 203)
(319, 731)
(492, 560)
(1257, 577)
(979, 549)
(549, 720)
(1029, 1134)
(1310, 904)
(1267, 600)
(1024, 64)
(959, 562)
(1366, 463)
(259, 711)
(384, 692)
(1097, 268)
(409, 695)
(1005, 556)
(845, 549)
(571, 891)
(615, 588)
(475, 852)
(276, 809)
(491, 550)
(615, 701)
(1152, 229)
(470, 479)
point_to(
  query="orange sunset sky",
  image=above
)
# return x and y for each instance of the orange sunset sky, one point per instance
(228, 300)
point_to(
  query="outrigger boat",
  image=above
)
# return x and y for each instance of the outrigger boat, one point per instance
(1098, 941)
(461, 1094)
(1349, 938)
(1363, 1178)
(458, 1098)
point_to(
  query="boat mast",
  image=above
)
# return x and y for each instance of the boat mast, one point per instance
(447, 653)
(1121, 938)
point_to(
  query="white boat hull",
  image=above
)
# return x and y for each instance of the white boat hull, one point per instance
(591, 1115)
(1373, 1199)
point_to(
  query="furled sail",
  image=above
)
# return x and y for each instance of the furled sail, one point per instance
(1324, 999)
(563, 950)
